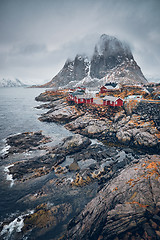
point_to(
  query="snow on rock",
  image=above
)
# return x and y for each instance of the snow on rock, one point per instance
(11, 83)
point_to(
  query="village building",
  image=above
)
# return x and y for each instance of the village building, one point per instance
(112, 86)
(80, 97)
(112, 101)
(85, 98)
(72, 94)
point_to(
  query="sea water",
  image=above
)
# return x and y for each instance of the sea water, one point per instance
(18, 114)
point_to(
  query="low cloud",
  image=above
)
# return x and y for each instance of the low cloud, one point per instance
(38, 36)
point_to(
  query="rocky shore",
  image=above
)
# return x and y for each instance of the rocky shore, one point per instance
(128, 207)
(101, 183)
(78, 168)
(22, 142)
(136, 127)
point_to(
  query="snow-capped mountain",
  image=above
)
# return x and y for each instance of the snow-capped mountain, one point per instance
(112, 60)
(11, 83)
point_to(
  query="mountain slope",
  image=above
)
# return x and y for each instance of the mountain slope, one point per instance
(112, 60)
(11, 83)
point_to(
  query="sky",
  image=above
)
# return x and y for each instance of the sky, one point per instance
(38, 36)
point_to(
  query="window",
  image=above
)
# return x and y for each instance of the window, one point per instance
(116, 102)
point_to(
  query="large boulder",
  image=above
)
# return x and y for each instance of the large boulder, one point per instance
(72, 144)
(128, 204)
(145, 139)
(27, 141)
(63, 114)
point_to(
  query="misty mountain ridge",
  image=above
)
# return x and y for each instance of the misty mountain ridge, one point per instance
(112, 60)
(11, 83)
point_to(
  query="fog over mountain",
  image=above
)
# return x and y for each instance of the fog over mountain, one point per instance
(112, 60)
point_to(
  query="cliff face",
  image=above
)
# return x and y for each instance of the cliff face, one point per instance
(128, 207)
(112, 60)
(72, 71)
(109, 53)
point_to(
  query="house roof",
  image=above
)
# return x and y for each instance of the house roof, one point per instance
(86, 96)
(150, 89)
(111, 98)
(77, 93)
(111, 84)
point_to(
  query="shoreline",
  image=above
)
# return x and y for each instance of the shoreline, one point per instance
(81, 167)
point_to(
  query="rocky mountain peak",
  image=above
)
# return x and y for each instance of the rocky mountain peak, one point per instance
(109, 45)
(111, 58)
(109, 53)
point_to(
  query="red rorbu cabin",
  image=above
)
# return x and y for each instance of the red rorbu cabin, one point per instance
(112, 101)
(103, 89)
(111, 86)
(79, 99)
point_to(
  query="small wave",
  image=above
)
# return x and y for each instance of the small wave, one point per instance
(15, 226)
(5, 150)
(9, 176)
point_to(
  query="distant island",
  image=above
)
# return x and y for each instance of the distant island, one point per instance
(11, 83)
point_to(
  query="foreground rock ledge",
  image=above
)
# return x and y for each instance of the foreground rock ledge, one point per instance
(27, 141)
(42, 165)
(129, 204)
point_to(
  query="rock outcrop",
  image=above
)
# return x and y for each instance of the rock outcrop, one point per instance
(129, 205)
(149, 111)
(42, 165)
(63, 114)
(49, 96)
(46, 217)
(27, 141)
(128, 130)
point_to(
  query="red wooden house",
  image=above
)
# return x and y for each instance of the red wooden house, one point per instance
(103, 89)
(112, 101)
(85, 98)
(111, 86)
(79, 97)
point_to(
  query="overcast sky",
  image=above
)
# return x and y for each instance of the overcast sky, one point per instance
(37, 36)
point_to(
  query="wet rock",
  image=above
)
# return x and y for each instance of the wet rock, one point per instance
(87, 163)
(72, 144)
(46, 217)
(60, 170)
(81, 181)
(53, 105)
(42, 165)
(50, 96)
(27, 141)
(62, 115)
(122, 205)
(74, 167)
(35, 167)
